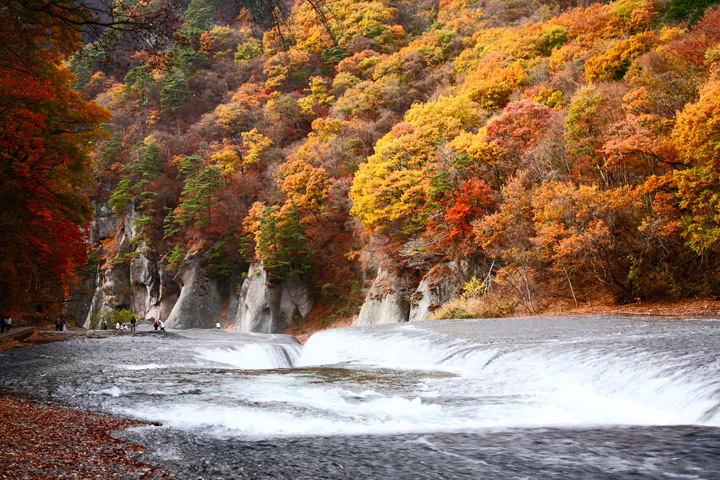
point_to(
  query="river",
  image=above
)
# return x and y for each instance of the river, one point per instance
(524, 398)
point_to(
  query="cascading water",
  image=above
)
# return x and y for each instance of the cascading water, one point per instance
(577, 397)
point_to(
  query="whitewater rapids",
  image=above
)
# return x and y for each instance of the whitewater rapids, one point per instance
(417, 388)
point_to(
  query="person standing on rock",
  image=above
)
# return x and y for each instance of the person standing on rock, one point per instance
(58, 324)
(8, 322)
(133, 321)
(3, 324)
(162, 326)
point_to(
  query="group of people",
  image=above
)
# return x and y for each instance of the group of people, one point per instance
(59, 324)
(5, 323)
(133, 324)
(159, 325)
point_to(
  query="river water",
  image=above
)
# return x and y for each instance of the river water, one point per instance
(552, 397)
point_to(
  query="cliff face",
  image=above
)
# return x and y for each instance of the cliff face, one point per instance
(186, 297)
(394, 299)
(266, 307)
(200, 303)
(387, 301)
(131, 279)
(135, 280)
(183, 297)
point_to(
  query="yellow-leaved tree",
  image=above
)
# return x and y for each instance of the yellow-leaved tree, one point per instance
(391, 188)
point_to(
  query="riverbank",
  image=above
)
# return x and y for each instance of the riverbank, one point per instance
(40, 441)
(684, 308)
(41, 335)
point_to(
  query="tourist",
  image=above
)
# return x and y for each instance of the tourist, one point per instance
(3, 324)
(133, 321)
(156, 324)
(117, 325)
(8, 323)
(58, 324)
(162, 326)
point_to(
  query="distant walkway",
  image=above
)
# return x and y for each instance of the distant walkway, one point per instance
(18, 334)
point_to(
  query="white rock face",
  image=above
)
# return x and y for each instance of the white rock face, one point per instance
(267, 308)
(104, 224)
(388, 301)
(200, 304)
(168, 294)
(135, 284)
(112, 285)
(152, 291)
(393, 299)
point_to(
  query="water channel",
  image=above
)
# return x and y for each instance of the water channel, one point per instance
(548, 397)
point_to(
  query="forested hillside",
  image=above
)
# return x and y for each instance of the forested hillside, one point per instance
(550, 150)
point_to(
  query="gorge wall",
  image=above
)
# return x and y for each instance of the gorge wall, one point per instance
(186, 297)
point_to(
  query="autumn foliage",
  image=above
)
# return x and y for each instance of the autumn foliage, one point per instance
(568, 150)
(47, 132)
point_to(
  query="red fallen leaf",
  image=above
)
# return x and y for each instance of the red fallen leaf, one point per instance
(49, 442)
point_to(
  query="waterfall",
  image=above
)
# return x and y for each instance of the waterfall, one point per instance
(390, 379)
(623, 380)
(254, 356)
(614, 379)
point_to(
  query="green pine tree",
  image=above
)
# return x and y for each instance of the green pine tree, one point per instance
(202, 187)
(282, 245)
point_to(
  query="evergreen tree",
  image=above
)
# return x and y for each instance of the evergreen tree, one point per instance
(137, 176)
(281, 244)
(202, 187)
(174, 92)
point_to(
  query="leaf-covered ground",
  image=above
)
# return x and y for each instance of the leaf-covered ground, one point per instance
(39, 441)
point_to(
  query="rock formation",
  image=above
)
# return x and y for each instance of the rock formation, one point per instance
(393, 298)
(185, 297)
(388, 300)
(200, 304)
(266, 307)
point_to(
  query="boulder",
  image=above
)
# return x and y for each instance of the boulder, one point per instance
(266, 307)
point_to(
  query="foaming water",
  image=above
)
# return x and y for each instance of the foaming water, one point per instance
(410, 349)
(256, 356)
(427, 380)
(618, 381)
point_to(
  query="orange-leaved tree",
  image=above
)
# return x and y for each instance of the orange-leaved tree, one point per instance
(697, 136)
(46, 133)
